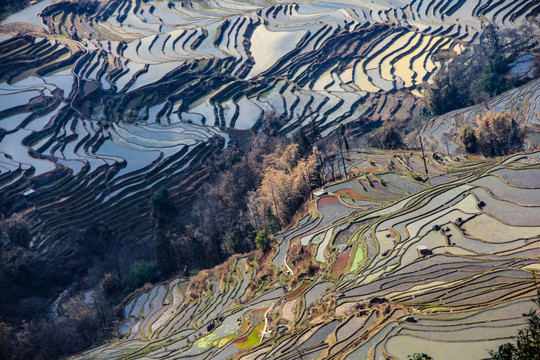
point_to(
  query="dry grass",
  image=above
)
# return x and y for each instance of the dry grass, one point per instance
(265, 271)
(300, 258)
(199, 283)
(324, 311)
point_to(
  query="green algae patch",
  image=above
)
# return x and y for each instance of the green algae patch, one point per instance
(433, 309)
(250, 340)
(206, 342)
(225, 340)
(359, 257)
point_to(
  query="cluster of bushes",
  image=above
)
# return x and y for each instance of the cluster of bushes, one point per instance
(390, 138)
(115, 286)
(287, 181)
(497, 134)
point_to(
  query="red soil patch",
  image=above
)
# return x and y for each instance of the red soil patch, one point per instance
(340, 265)
(365, 170)
(327, 200)
(298, 291)
(258, 314)
(350, 193)
(366, 167)
(260, 311)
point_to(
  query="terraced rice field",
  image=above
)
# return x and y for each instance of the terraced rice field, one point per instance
(441, 134)
(375, 295)
(104, 102)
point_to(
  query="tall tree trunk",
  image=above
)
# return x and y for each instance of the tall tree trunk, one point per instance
(275, 204)
(342, 157)
(423, 155)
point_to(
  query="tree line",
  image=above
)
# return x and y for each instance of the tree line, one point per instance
(252, 196)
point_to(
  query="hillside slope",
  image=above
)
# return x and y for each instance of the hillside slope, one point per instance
(347, 281)
(441, 134)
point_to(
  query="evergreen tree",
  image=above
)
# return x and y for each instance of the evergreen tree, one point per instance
(163, 209)
(271, 221)
(262, 240)
(492, 78)
(315, 132)
(303, 142)
(469, 140)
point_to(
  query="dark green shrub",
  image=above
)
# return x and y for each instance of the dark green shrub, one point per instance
(140, 273)
(445, 95)
(493, 79)
(163, 209)
(262, 240)
(469, 140)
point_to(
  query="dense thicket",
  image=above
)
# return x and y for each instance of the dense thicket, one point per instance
(286, 182)
(260, 190)
(497, 134)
